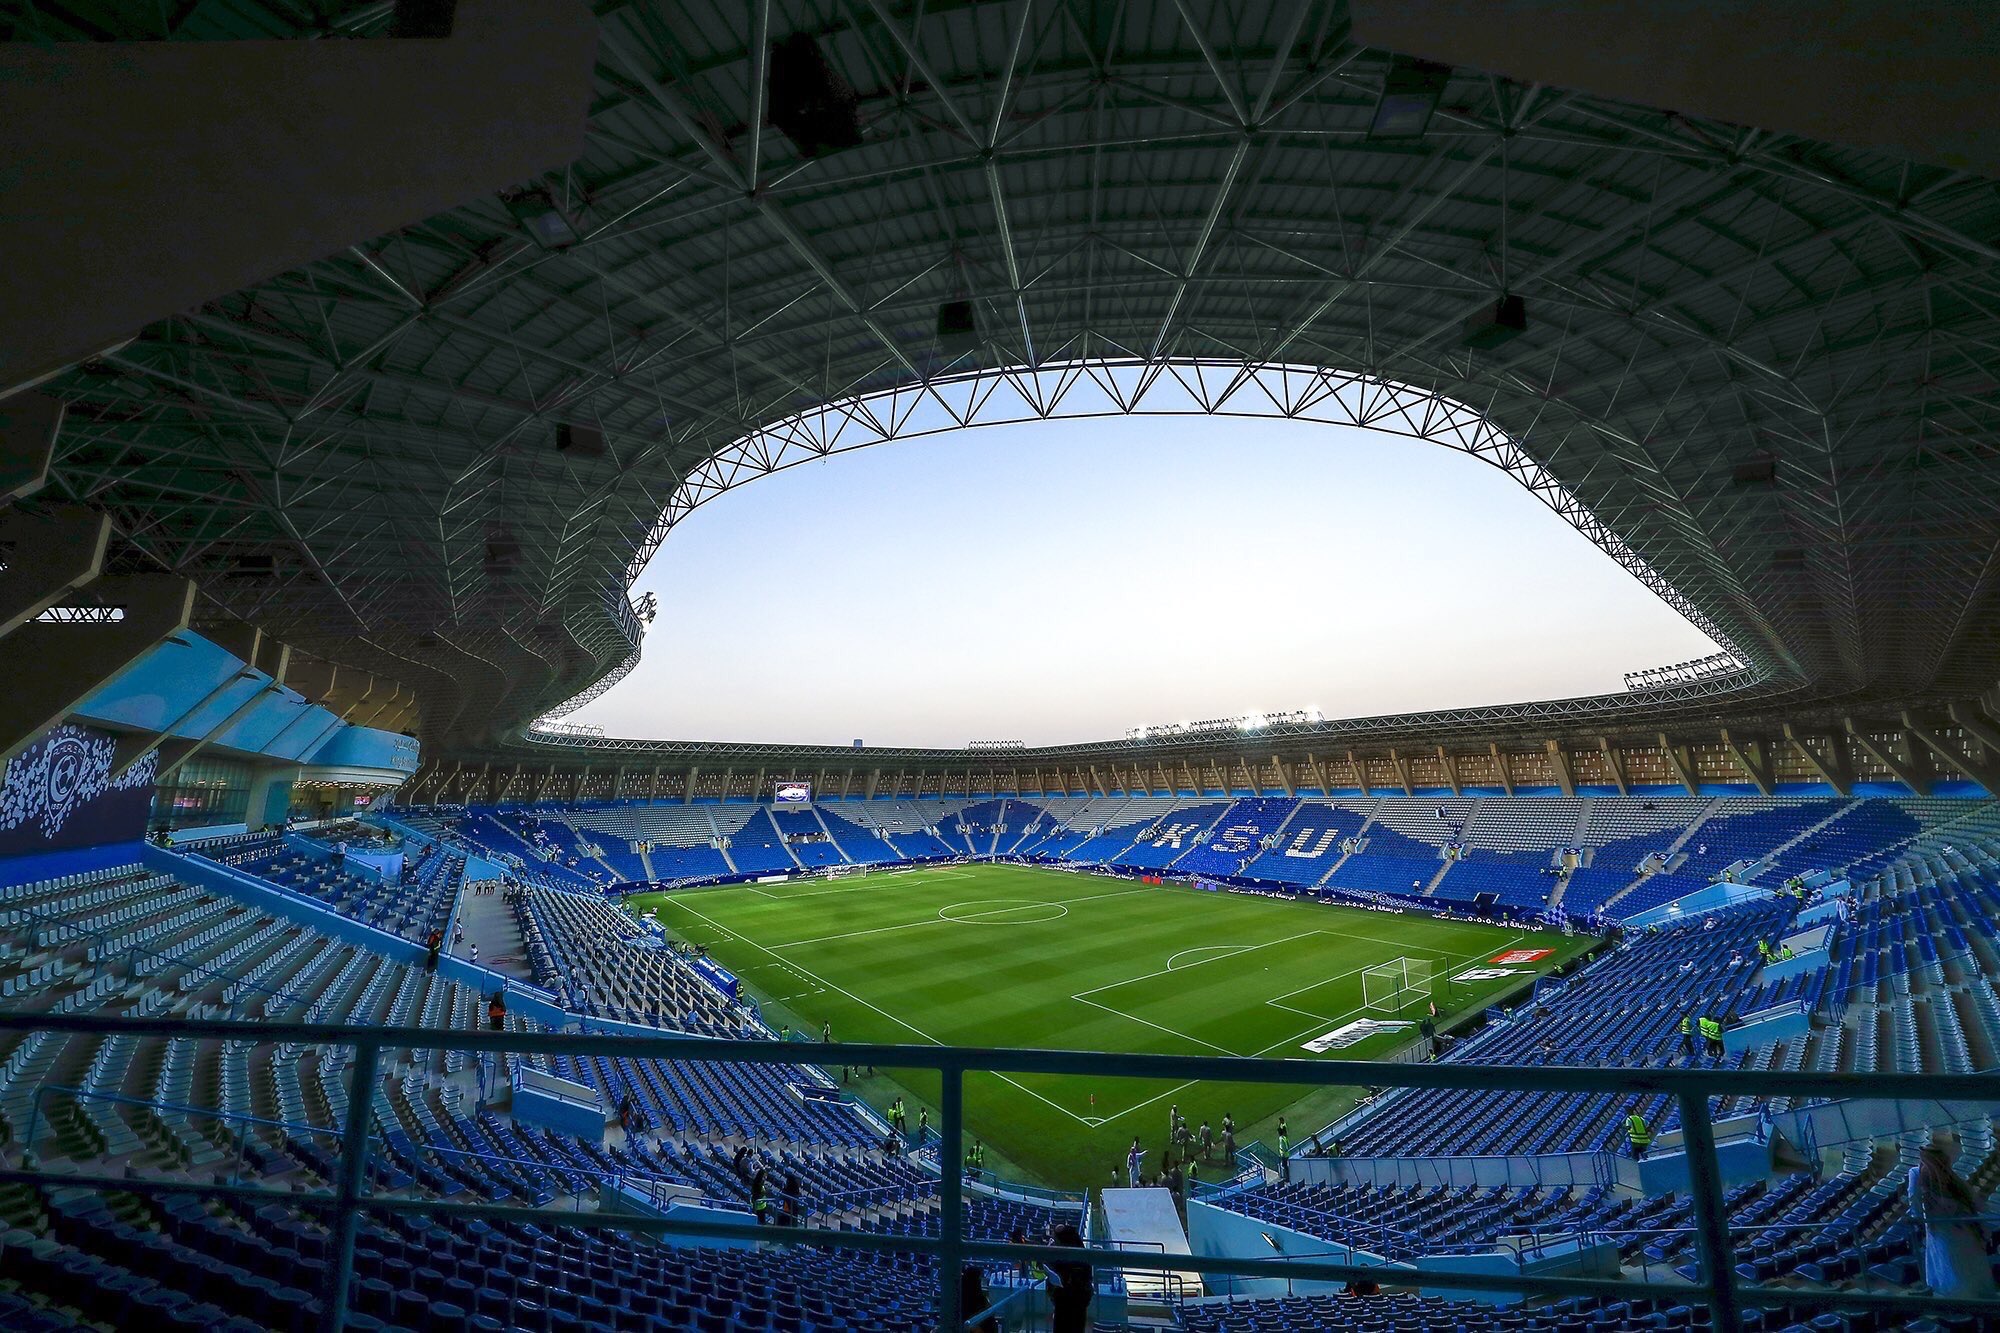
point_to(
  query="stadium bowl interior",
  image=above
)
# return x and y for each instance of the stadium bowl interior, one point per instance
(358, 357)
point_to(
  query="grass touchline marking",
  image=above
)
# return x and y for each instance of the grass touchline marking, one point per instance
(903, 1023)
(1163, 971)
(1172, 1032)
(808, 983)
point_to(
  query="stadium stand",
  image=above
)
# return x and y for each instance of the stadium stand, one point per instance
(310, 584)
(1238, 837)
(806, 838)
(1171, 837)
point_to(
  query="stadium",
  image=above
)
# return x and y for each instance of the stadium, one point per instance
(360, 357)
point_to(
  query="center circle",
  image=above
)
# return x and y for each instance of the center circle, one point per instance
(1001, 911)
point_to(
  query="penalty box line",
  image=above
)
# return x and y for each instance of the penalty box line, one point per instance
(1452, 961)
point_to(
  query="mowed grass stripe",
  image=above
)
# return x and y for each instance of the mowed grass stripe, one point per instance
(1096, 976)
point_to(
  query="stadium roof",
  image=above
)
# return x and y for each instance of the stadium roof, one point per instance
(1757, 368)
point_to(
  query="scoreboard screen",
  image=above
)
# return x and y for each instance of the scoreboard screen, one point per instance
(792, 793)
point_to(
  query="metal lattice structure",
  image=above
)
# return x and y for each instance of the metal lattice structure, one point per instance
(1758, 370)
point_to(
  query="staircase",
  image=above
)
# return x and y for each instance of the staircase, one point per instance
(1840, 812)
(1359, 834)
(489, 923)
(721, 842)
(765, 813)
(1201, 839)
(833, 841)
(1694, 826)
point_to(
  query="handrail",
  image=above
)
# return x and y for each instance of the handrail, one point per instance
(1717, 1286)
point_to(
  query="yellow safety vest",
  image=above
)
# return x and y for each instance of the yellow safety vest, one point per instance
(1635, 1129)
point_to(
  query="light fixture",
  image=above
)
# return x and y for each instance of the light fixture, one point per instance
(1411, 90)
(1501, 322)
(538, 215)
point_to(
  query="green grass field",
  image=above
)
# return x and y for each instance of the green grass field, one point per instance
(998, 955)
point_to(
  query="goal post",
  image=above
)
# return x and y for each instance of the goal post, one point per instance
(1397, 986)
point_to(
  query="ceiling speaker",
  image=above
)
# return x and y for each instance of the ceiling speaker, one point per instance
(1502, 322)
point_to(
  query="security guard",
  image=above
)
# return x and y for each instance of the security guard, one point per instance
(1637, 1132)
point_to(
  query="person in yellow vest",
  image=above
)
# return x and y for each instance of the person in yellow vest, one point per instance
(1637, 1132)
(1687, 1038)
(1711, 1036)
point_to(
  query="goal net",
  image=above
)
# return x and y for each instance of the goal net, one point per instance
(845, 872)
(1396, 986)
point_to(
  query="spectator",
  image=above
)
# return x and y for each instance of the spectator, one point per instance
(1069, 1285)
(972, 1301)
(625, 1113)
(1955, 1262)
(791, 1201)
(496, 1011)
(433, 946)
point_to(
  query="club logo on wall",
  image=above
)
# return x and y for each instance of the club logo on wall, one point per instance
(69, 768)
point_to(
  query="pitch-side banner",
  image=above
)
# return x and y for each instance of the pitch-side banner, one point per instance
(792, 793)
(1360, 1030)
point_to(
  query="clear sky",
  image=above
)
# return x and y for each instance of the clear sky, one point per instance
(1066, 581)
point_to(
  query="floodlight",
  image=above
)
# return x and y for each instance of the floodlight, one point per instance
(1410, 93)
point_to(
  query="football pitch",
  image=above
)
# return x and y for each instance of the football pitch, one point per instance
(1021, 956)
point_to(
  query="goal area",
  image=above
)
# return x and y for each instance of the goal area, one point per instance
(1397, 986)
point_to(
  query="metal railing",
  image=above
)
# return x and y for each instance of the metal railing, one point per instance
(654, 1189)
(350, 1199)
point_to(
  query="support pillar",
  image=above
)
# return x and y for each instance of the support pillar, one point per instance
(1834, 772)
(1748, 758)
(1985, 773)
(1680, 765)
(1559, 761)
(1906, 774)
(1614, 760)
